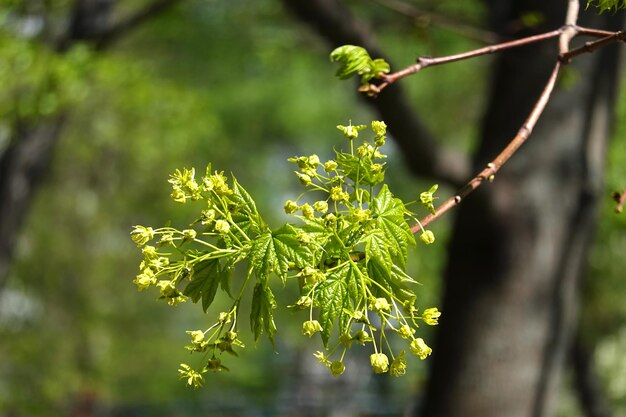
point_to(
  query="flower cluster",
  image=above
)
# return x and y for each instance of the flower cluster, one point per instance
(346, 251)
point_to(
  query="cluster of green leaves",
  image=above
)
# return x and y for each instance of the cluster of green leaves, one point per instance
(355, 60)
(607, 5)
(347, 252)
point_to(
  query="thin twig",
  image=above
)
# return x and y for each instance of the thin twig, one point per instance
(453, 25)
(593, 45)
(423, 62)
(492, 168)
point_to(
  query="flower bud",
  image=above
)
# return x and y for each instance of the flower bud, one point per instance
(420, 348)
(313, 160)
(379, 128)
(149, 252)
(320, 206)
(379, 362)
(427, 237)
(330, 166)
(379, 304)
(307, 211)
(304, 178)
(290, 207)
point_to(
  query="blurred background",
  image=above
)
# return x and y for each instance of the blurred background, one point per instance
(101, 100)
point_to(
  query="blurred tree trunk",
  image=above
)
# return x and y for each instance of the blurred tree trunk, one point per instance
(519, 245)
(24, 162)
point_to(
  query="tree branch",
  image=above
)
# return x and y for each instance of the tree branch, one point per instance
(423, 62)
(104, 38)
(567, 33)
(492, 168)
(453, 25)
(334, 23)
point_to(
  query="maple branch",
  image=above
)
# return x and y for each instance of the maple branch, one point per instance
(492, 168)
(591, 46)
(423, 62)
(566, 34)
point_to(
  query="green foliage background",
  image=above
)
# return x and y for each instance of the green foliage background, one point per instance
(239, 83)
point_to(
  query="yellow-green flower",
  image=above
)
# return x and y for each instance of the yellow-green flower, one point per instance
(420, 348)
(310, 327)
(427, 237)
(141, 235)
(321, 206)
(145, 279)
(193, 377)
(379, 362)
(398, 365)
(405, 331)
(337, 368)
(330, 166)
(431, 316)
(307, 211)
(222, 226)
(290, 207)
(189, 234)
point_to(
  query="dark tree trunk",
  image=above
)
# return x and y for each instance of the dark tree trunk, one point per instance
(23, 165)
(520, 244)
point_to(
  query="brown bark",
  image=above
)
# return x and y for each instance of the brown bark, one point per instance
(519, 246)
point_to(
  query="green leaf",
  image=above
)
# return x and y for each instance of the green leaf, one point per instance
(358, 169)
(377, 247)
(261, 317)
(263, 255)
(289, 251)
(331, 295)
(389, 214)
(206, 277)
(244, 200)
(356, 60)
(391, 280)
(607, 5)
